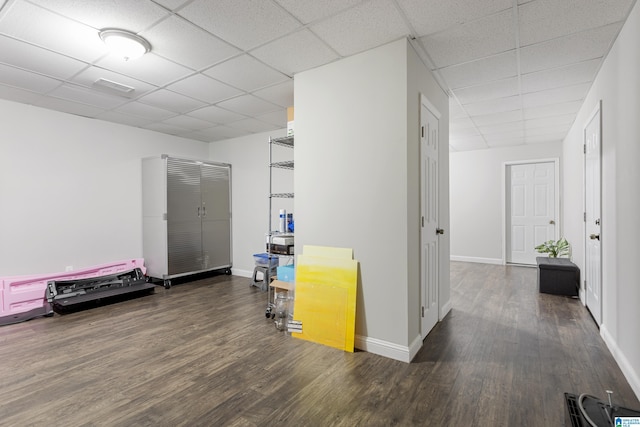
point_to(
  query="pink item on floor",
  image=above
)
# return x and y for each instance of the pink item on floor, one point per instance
(23, 297)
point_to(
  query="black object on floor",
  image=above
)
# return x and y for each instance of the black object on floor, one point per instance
(62, 294)
(558, 276)
(579, 408)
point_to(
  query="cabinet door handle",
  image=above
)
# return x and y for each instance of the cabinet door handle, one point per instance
(204, 211)
(198, 211)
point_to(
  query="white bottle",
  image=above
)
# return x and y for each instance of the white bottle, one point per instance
(282, 226)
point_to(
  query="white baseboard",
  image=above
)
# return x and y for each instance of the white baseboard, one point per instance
(445, 309)
(387, 349)
(242, 273)
(627, 369)
(476, 259)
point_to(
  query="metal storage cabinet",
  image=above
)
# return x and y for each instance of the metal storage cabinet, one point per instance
(186, 217)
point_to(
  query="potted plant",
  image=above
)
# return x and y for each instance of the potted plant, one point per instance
(555, 248)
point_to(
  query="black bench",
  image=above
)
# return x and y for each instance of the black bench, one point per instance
(558, 276)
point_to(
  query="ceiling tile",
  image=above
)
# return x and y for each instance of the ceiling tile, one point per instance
(145, 111)
(19, 95)
(548, 122)
(248, 105)
(581, 72)
(513, 128)
(296, 52)
(124, 119)
(33, 58)
(488, 36)
(246, 73)
(87, 96)
(165, 128)
(484, 70)
(184, 43)
(312, 10)
(27, 80)
(456, 134)
(537, 139)
(46, 29)
(548, 19)
(430, 16)
(500, 105)
(150, 68)
(548, 130)
(216, 115)
(66, 106)
(552, 110)
(362, 27)
(243, 23)
(497, 118)
(187, 122)
(568, 50)
(497, 89)
(252, 125)
(555, 96)
(204, 88)
(172, 4)
(218, 133)
(276, 118)
(280, 94)
(171, 101)
(455, 110)
(461, 123)
(505, 142)
(125, 14)
(89, 76)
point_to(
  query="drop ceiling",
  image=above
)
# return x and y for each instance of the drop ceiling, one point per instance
(516, 71)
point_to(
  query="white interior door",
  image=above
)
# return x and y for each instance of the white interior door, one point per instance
(531, 209)
(593, 268)
(429, 142)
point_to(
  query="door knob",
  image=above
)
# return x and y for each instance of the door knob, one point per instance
(439, 231)
(594, 236)
(552, 222)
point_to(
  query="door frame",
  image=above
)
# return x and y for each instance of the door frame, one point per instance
(432, 108)
(597, 111)
(506, 209)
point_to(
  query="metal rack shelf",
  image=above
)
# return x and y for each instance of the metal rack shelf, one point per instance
(283, 165)
(281, 195)
(285, 141)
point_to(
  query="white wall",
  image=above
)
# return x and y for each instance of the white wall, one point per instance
(70, 188)
(249, 159)
(420, 81)
(477, 206)
(618, 86)
(352, 170)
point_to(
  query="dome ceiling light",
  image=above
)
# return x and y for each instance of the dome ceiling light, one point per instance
(124, 43)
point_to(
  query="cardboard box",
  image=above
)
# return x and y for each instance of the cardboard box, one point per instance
(290, 121)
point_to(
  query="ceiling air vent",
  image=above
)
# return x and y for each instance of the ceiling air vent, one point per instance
(113, 87)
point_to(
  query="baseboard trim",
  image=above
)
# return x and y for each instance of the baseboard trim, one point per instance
(476, 259)
(388, 349)
(242, 273)
(627, 369)
(445, 309)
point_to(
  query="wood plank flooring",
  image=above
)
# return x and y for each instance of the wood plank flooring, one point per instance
(203, 354)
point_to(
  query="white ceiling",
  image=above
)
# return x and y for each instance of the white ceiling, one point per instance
(516, 70)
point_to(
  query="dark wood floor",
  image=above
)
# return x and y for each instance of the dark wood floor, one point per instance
(203, 354)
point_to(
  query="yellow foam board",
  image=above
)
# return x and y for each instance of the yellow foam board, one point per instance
(325, 300)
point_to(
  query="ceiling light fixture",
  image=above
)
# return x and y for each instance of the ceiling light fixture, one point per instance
(124, 43)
